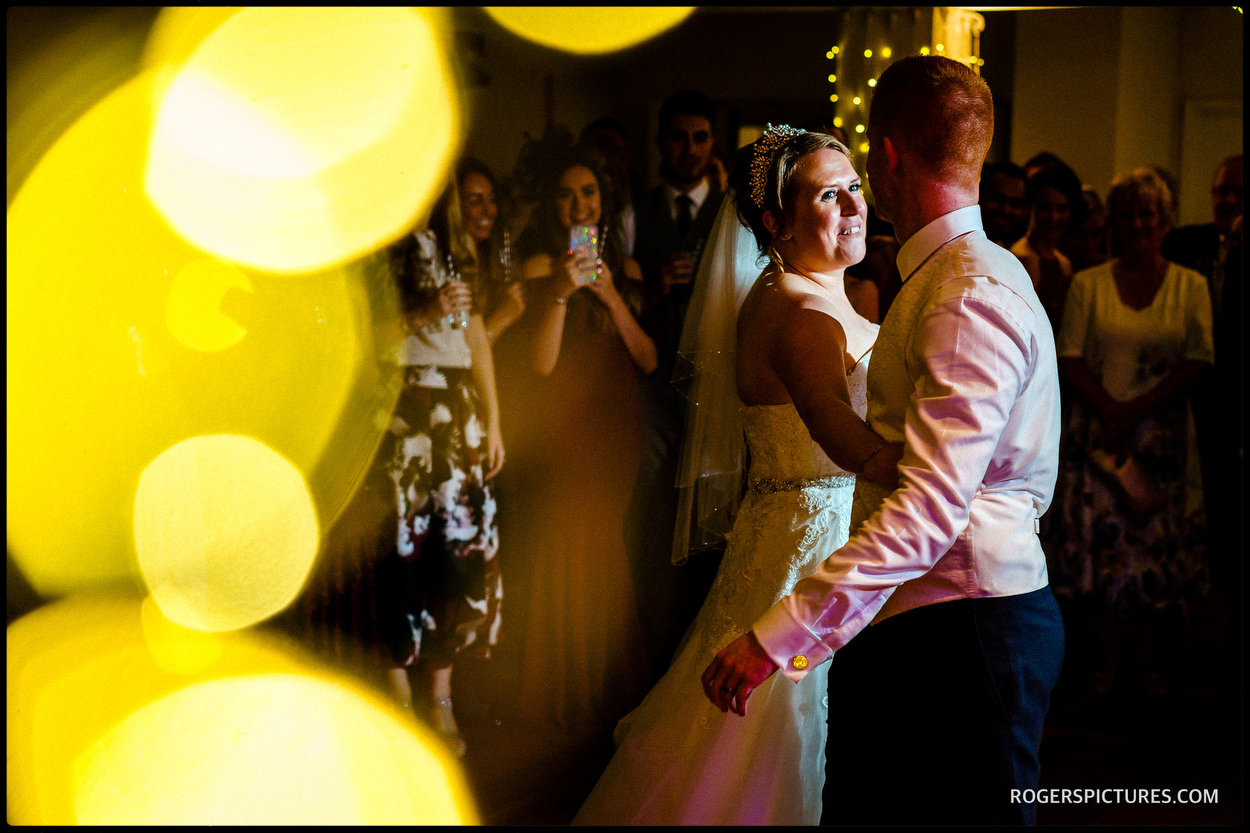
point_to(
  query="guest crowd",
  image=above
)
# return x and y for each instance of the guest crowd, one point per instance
(523, 498)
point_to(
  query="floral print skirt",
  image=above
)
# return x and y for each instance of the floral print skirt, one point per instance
(442, 586)
(1099, 548)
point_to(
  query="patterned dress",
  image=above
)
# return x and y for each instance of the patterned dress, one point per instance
(441, 587)
(448, 579)
(1100, 548)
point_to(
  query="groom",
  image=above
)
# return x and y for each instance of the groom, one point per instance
(948, 639)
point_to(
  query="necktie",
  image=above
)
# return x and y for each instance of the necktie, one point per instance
(685, 215)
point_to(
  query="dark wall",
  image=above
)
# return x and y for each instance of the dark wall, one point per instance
(759, 65)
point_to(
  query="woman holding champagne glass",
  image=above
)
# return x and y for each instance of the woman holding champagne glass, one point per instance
(441, 587)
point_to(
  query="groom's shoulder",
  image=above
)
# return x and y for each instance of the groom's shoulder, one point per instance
(979, 272)
(974, 256)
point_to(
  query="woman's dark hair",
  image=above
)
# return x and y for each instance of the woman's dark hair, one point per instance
(472, 165)
(1064, 180)
(545, 234)
(488, 270)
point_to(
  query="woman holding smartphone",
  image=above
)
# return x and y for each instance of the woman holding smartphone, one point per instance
(585, 261)
(581, 453)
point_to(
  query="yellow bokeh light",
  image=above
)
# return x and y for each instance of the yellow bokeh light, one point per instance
(872, 82)
(924, 50)
(837, 121)
(833, 79)
(177, 649)
(859, 128)
(863, 147)
(193, 309)
(836, 50)
(225, 530)
(263, 749)
(107, 363)
(867, 53)
(940, 48)
(833, 97)
(104, 730)
(292, 140)
(886, 52)
(588, 30)
(857, 101)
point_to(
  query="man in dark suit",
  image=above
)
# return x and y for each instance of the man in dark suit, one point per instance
(675, 218)
(1004, 202)
(673, 222)
(1203, 247)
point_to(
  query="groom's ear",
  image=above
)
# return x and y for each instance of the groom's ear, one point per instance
(891, 154)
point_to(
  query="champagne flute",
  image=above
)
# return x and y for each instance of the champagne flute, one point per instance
(460, 318)
(505, 257)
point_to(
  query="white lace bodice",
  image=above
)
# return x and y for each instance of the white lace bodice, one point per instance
(796, 512)
(680, 760)
(782, 448)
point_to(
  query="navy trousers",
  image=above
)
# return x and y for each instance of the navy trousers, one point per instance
(935, 715)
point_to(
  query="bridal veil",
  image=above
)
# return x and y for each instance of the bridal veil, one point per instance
(713, 451)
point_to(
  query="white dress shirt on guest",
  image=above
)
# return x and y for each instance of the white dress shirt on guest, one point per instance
(629, 228)
(697, 197)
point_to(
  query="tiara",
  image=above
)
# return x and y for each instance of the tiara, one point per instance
(766, 148)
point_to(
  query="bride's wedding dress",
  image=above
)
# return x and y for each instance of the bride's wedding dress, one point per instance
(679, 760)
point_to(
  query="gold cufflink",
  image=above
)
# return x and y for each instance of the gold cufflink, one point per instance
(799, 662)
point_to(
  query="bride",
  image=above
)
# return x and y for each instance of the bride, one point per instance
(797, 390)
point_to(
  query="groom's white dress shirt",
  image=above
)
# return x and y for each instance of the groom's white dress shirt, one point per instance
(964, 371)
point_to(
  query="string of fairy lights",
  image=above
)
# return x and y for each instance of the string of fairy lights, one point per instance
(863, 54)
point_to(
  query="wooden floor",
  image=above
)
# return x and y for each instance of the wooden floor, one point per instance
(1189, 738)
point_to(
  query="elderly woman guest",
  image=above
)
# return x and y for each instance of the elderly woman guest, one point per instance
(1136, 337)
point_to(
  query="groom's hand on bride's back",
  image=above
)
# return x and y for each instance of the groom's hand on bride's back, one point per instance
(737, 671)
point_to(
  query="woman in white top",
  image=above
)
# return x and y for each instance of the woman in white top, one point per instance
(1136, 336)
(440, 588)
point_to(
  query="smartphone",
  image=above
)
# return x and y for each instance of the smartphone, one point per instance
(584, 239)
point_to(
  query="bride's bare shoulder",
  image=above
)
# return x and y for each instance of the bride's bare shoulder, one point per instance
(764, 304)
(791, 296)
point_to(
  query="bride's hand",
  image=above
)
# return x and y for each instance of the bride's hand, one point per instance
(882, 467)
(737, 671)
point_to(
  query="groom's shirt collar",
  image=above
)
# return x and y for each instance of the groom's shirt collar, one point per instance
(921, 245)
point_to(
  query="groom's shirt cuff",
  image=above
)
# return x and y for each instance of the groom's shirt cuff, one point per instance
(790, 632)
(790, 644)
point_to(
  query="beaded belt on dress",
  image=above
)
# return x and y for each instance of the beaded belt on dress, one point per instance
(770, 485)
